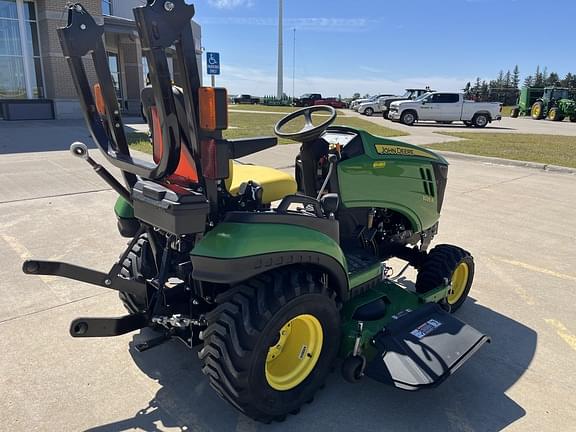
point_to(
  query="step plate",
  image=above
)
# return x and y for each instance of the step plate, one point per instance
(421, 348)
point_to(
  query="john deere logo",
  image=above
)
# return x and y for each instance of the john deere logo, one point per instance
(394, 150)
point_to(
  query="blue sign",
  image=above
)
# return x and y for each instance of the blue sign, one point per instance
(213, 63)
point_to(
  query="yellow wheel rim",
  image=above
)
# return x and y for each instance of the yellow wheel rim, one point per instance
(458, 283)
(294, 356)
(536, 110)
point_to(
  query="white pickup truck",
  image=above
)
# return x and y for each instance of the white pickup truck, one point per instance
(445, 108)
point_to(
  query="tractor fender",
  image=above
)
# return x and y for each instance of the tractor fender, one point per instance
(234, 252)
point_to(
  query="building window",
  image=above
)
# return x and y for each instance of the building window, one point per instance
(106, 7)
(20, 67)
(115, 72)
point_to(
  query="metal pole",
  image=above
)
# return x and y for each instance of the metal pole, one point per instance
(213, 80)
(280, 89)
(294, 67)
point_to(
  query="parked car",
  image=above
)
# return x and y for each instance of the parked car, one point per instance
(307, 99)
(246, 99)
(410, 94)
(445, 108)
(356, 102)
(370, 107)
(333, 102)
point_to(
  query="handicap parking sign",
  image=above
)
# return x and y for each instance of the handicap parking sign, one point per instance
(213, 63)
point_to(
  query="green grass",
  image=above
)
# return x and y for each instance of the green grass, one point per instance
(546, 149)
(266, 108)
(139, 141)
(246, 125)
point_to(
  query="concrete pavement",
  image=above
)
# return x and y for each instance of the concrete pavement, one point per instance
(516, 222)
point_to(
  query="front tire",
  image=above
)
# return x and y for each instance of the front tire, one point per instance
(447, 263)
(408, 118)
(369, 112)
(514, 113)
(554, 114)
(271, 342)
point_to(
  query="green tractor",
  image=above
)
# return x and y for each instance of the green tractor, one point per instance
(273, 278)
(556, 104)
(527, 98)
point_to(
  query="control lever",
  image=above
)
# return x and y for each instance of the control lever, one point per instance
(332, 159)
(80, 150)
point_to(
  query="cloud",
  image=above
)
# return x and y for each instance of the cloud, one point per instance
(230, 4)
(312, 23)
(260, 83)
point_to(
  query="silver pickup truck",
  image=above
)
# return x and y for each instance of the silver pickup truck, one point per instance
(445, 108)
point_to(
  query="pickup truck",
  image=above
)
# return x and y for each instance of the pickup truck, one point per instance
(306, 100)
(246, 99)
(410, 94)
(333, 102)
(445, 108)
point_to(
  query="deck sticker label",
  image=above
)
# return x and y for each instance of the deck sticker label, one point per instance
(395, 150)
(423, 329)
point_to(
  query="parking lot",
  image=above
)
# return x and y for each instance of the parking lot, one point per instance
(515, 221)
(427, 132)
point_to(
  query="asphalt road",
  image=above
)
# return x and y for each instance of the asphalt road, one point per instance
(517, 222)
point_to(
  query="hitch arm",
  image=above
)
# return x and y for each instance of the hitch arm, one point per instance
(106, 280)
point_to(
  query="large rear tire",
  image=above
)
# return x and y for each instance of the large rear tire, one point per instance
(138, 265)
(271, 342)
(447, 263)
(537, 111)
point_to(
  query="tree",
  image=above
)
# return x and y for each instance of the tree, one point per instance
(467, 90)
(356, 96)
(538, 78)
(553, 79)
(500, 79)
(529, 81)
(515, 77)
(507, 79)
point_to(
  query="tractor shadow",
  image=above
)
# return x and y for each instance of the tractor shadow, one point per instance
(473, 399)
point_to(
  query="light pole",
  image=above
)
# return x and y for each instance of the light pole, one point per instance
(280, 88)
(294, 66)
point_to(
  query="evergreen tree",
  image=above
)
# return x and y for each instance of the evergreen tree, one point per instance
(529, 81)
(507, 79)
(553, 79)
(538, 78)
(500, 79)
(515, 77)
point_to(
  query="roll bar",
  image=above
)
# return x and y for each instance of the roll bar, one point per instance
(160, 25)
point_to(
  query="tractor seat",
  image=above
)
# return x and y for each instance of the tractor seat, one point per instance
(275, 184)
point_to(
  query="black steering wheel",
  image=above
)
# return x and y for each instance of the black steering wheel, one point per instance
(309, 132)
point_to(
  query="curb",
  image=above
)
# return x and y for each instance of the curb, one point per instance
(509, 162)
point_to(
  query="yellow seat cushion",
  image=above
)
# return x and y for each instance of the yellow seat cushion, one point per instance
(276, 184)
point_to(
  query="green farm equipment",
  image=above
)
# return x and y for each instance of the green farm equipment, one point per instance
(273, 277)
(553, 103)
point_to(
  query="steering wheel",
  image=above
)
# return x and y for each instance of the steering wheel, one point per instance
(309, 132)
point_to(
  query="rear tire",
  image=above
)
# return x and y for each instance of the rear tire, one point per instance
(247, 357)
(369, 112)
(514, 113)
(537, 110)
(138, 265)
(447, 263)
(480, 120)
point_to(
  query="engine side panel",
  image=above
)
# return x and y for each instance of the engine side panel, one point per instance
(393, 175)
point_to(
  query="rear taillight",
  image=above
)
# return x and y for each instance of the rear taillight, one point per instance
(215, 159)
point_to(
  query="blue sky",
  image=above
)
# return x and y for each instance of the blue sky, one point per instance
(371, 46)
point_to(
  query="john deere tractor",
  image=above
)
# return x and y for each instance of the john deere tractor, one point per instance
(556, 104)
(275, 279)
